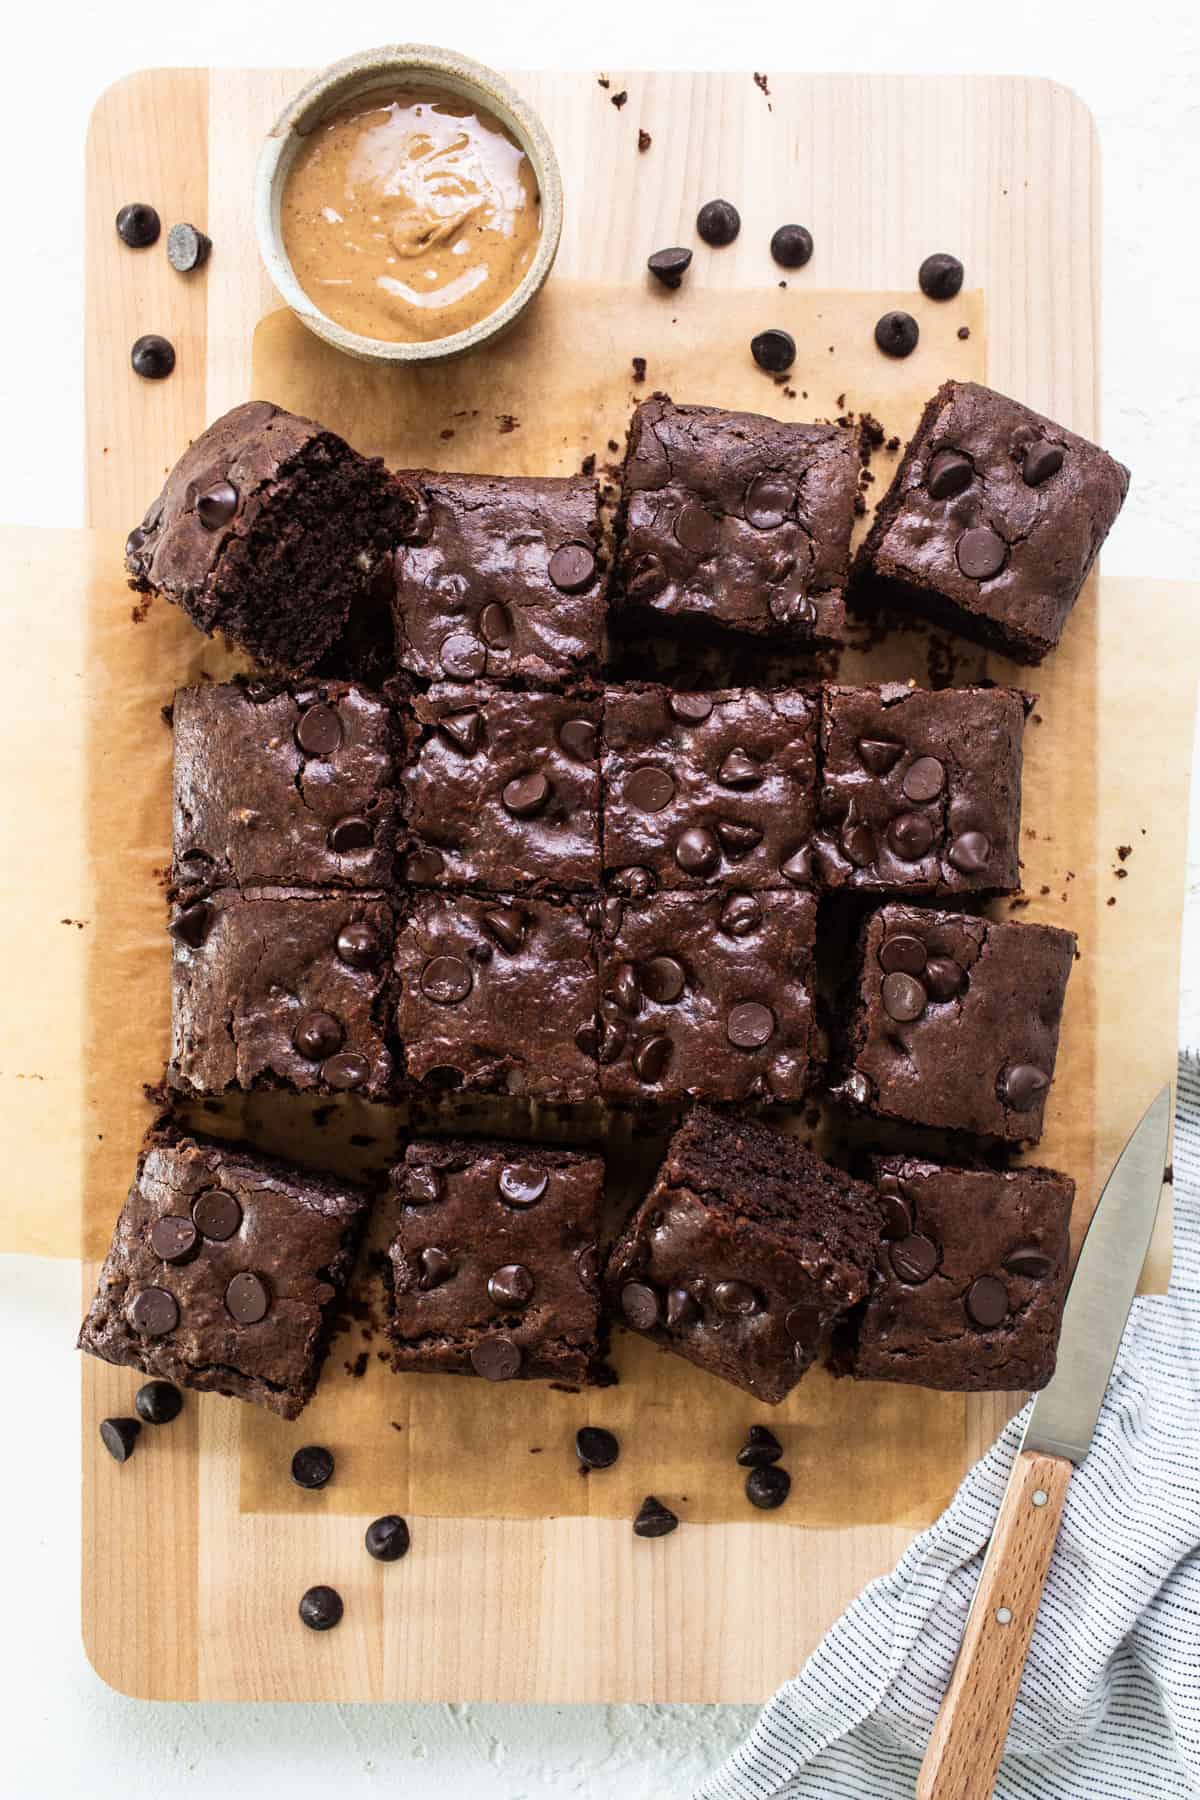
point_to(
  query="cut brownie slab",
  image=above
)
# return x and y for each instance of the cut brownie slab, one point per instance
(969, 1288)
(744, 1253)
(267, 531)
(992, 522)
(283, 787)
(708, 996)
(702, 789)
(281, 990)
(497, 994)
(737, 521)
(494, 1269)
(502, 789)
(956, 1023)
(501, 576)
(921, 791)
(224, 1272)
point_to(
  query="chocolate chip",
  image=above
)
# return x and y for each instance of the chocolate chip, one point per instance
(697, 851)
(949, 474)
(626, 989)
(698, 530)
(572, 567)
(773, 350)
(437, 1266)
(940, 276)
(910, 835)
(923, 779)
(138, 225)
(654, 1519)
(896, 334)
(317, 1035)
(970, 852)
(649, 789)
(740, 915)
(798, 866)
(739, 770)
(507, 926)
(768, 1487)
(669, 266)
(897, 1216)
(187, 248)
(718, 222)
(639, 1303)
(635, 883)
(750, 1025)
(495, 1358)
(154, 1311)
(526, 795)
(247, 1299)
(736, 1298)
(119, 1437)
(511, 1285)
(463, 729)
(387, 1539)
(802, 1322)
(986, 1302)
(943, 978)
(173, 1239)
(682, 1308)
(158, 1402)
(1041, 462)
(902, 954)
(738, 840)
(690, 709)
(523, 1184)
(1024, 1086)
(217, 505)
(424, 866)
(422, 1185)
(981, 553)
(496, 626)
(587, 1262)
(312, 1466)
(611, 1041)
(463, 656)
(651, 1058)
(914, 1258)
(359, 946)
(768, 501)
(216, 1215)
(904, 998)
(858, 842)
(319, 730)
(192, 924)
(152, 357)
(792, 609)
(791, 246)
(446, 980)
(578, 739)
(760, 1449)
(595, 1447)
(878, 755)
(321, 1608)
(1028, 1261)
(663, 979)
(647, 577)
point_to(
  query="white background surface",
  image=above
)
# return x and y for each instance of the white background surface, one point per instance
(1138, 67)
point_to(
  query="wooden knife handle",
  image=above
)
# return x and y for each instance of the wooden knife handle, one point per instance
(968, 1735)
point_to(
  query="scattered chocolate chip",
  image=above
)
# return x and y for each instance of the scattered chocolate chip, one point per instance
(572, 567)
(526, 795)
(644, 140)
(914, 1258)
(654, 1519)
(943, 978)
(878, 755)
(158, 1402)
(312, 1466)
(690, 709)
(904, 998)
(981, 553)
(740, 915)
(750, 1025)
(650, 1059)
(940, 276)
(639, 1303)
(321, 1608)
(446, 980)
(138, 225)
(437, 1266)
(463, 656)
(669, 266)
(523, 1184)
(969, 853)
(119, 1437)
(595, 1447)
(319, 730)
(737, 1298)
(578, 739)
(217, 505)
(507, 926)
(152, 357)
(359, 946)
(1029, 1262)
(697, 851)
(187, 248)
(718, 223)
(192, 924)
(949, 474)
(495, 1358)
(791, 246)
(682, 1308)
(511, 1285)
(173, 1239)
(761, 1448)
(1041, 462)
(387, 1539)
(773, 350)
(768, 1487)
(1024, 1086)
(247, 1299)
(317, 1035)
(216, 1215)
(896, 334)
(649, 789)
(154, 1311)
(903, 954)
(987, 1302)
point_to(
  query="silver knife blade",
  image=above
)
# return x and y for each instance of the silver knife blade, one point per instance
(1106, 1276)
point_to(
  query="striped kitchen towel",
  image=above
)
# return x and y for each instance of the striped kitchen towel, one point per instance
(1109, 1707)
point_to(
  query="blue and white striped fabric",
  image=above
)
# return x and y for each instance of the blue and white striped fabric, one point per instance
(1109, 1707)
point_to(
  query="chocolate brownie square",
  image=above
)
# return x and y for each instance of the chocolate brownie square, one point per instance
(497, 994)
(284, 989)
(739, 522)
(283, 787)
(225, 1271)
(956, 1023)
(502, 789)
(501, 576)
(920, 791)
(744, 1253)
(494, 1269)
(992, 522)
(268, 530)
(969, 1288)
(702, 789)
(708, 996)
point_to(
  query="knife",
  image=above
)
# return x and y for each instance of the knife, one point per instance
(968, 1735)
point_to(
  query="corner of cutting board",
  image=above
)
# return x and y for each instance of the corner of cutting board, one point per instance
(136, 1679)
(124, 92)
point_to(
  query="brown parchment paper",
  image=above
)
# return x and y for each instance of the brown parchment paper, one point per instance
(446, 1445)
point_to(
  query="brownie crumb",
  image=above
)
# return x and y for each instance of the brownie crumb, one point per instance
(588, 465)
(619, 100)
(1169, 1175)
(860, 507)
(840, 403)
(506, 422)
(536, 1449)
(639, 368)
(358, 1367)
(1111, 901)
(964, 332)
(322, 1115)
(167, 714)
(138, 611)
(395, 1426)
(893, 444)
(563, 1387)
(603, 81)
(446, 433)
(1121, 874)
(1124, 851)
(644, 140)
(760, 82)
(613, 445)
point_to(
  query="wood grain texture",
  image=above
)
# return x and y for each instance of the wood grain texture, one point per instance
(968, 1735)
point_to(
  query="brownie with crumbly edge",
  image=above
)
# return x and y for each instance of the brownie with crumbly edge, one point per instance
(920, 791)
(225, 1271)
(992, 522)
(745, 1253)
(738, 522)
(494, 1269)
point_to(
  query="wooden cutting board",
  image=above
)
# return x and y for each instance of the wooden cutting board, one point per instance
(185, 1594)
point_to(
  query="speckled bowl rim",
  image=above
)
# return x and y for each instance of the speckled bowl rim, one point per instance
(368, 71)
